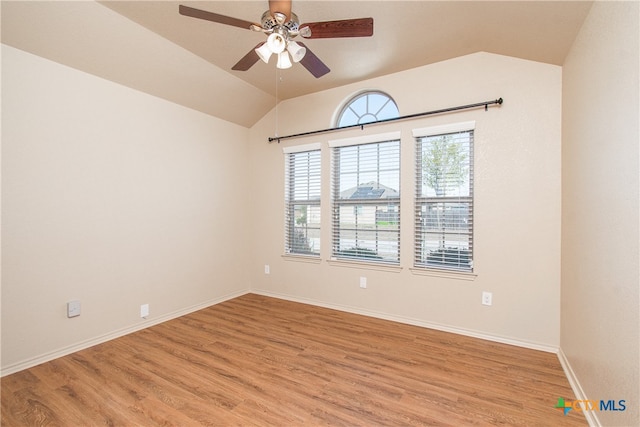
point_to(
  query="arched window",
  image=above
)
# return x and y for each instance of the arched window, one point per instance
(367, 107)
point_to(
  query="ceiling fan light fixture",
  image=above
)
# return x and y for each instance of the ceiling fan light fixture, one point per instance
(283, 60)
(297, 52)
(281, 25)
(276, 42)
(264, 52)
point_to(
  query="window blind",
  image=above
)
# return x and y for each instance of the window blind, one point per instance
(302, 201)
(444, 199)
(366, 201)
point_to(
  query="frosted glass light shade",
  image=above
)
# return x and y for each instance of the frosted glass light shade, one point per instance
(276, 42)
(297, 52)
(264, 52)
(283, 60)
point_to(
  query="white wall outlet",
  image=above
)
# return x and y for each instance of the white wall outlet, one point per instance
(73, 308)
(487, 298)
(363, 282)
(267, 270)
(144, 310)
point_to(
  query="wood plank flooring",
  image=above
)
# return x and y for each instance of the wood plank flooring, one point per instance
(257, 361)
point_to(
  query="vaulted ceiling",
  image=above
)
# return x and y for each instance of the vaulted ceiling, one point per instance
(149, 46)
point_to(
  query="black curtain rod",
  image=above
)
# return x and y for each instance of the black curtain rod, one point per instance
(410, 116)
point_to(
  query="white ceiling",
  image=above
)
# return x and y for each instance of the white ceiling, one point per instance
(149, 46)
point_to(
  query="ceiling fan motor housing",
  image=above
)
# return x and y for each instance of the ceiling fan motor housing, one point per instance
(278, 24)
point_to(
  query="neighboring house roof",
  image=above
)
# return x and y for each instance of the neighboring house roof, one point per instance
(370, 190)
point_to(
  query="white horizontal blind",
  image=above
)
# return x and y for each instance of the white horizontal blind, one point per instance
(302, 202)
(444, 201)
(366, 201)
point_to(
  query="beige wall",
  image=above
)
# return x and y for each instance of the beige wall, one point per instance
(112, 197)
(600, 190)
(117, 198)
(517, 211)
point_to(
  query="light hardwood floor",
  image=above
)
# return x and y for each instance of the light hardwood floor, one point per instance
(256, 360)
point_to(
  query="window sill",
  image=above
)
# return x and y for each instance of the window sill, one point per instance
(302, 258)
(448, 274)
(365, 265)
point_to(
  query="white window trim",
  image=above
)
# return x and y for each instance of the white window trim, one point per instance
(443, 129)
(434, 131)
(364, 265)
(444, 273)
(337, 115)
(310, 259)
(362, 140)
(365, 139)
(302, 148)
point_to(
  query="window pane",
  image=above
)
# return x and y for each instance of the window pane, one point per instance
(371, 165)
(347, 118)
(304, 175)
(445, 165)
(389, 111)
(444, 201)
(376, 102)
(445, 235)
(359, 105)
(302, 210)
(366, 108)
(366, 223)
(305, 234)
(370, 232)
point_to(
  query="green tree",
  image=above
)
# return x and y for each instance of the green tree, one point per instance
(444, 168)
(444, 164)
(300, 234)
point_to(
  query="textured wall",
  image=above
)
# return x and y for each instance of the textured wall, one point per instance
(600, 200)
(112, 197)
(517, 202)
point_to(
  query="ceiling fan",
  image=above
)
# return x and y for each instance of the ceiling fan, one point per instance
(281, 26)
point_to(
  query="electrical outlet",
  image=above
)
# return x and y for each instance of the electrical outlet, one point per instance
(144, 310)
(487, 298)
(73, 308)
(267, 270)
(363, 282)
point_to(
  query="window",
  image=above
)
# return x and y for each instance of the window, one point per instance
(302, 200)
(367, 107)
(366, 199)
(444, 197)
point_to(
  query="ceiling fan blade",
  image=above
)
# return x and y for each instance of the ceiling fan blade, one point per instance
(360, 27)
(214, 17)
(282, 6)
(312, 63)
(248, 60)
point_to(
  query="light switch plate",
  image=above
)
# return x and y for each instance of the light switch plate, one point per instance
(73, 309)
(144, 310)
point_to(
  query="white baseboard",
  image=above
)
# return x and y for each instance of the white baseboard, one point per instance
(592, 418)
(25, 364)
(10, 369)
(414, 322)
